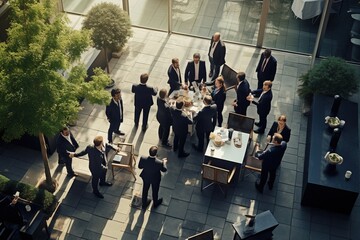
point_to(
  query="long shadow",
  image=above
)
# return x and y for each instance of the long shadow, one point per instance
(137, 225)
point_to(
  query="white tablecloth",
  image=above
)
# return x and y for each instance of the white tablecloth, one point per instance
(306, 9)
(228, 152)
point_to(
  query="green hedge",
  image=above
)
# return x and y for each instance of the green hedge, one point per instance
(41, 197)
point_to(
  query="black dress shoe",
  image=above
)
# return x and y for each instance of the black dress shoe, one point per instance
(158, 202)
(257, 186)
(211, 83)
(257, 124)
(98, 194)
(106, 184)
(73, 174)
(210, 74)
(168, 145)
(119, 133)
(259, 131)
(183, 155)
(144, 206)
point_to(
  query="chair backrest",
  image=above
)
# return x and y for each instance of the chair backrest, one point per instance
(240, 122)
(206, 235)
(215, 174)
(229, 76)
(126, 152)
(252, 163)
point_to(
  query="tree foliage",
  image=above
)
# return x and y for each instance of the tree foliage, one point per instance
(110, 26)
(331, 76)
(35, 96)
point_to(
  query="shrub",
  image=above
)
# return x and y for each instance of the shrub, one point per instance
(41, 197)
(330, 77)
(110, 26)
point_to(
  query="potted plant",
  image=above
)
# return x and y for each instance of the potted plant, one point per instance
(110, 27)
(332, 76)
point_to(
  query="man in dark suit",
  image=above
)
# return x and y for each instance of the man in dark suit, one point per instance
(163, 115)
(151, 174)
(242, 91)
(115, 113)
(205, 122)
(266, 68)
(195, 70)
(174, 75)
(180, 127)
(66, 144)
(263, 105)
(217, 51)
(97, 163)
(143, 100)
(271, 160)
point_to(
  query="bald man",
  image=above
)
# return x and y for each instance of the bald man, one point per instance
(217, 51)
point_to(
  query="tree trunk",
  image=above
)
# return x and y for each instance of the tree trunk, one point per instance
(107, 61)
(49, 185)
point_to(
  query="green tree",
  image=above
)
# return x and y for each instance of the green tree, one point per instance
(35, 96)
(110, 26)
(332, 76)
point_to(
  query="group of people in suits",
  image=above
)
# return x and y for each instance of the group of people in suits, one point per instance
(266, 70)
(196, 70)
(278, 137)
(167, 116)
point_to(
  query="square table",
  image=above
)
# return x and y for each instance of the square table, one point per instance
(228, 152)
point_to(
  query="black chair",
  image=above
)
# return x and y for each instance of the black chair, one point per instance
(206, 235)
(241, 123)
(229, 76)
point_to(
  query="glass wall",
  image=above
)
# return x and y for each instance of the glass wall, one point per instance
(82, 7)
(291, 25)
(149, 13)
(236, 20)
(342, 32)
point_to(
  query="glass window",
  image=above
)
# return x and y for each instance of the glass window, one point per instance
(82, 7)
(235, 20)
(149, 13)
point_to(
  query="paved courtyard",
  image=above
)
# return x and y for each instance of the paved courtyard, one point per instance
(185, 209)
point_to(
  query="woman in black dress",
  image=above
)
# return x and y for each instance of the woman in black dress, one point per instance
(280, 127)
(219, 97)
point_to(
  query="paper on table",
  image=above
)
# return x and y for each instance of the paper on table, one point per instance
(117, 158)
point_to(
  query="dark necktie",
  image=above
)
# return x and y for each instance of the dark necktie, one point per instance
(264, 65)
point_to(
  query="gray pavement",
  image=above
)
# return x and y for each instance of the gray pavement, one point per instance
(185, 210)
